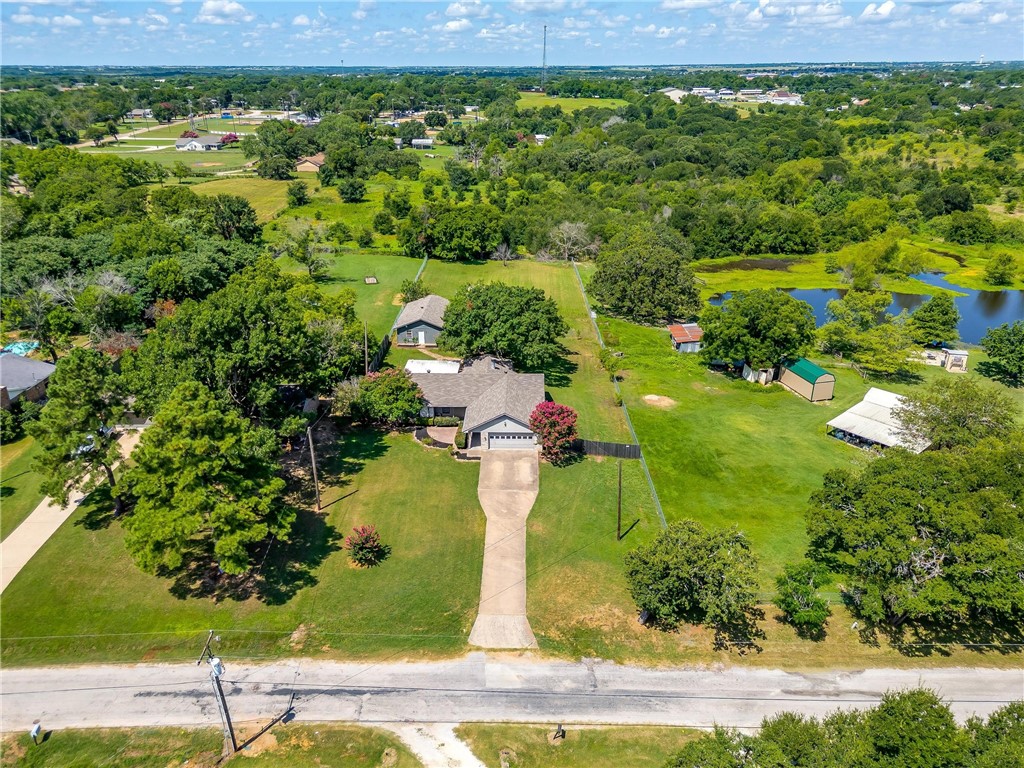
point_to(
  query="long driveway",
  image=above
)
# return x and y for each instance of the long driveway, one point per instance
(507, 489)
(480, 687)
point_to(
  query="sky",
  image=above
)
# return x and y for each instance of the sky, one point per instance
(505, 32)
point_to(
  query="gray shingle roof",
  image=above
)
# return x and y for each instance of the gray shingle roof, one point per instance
(514, 395)
(454, 390)
(430, 309)
(20, 373)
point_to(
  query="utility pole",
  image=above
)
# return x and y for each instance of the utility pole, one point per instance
(618, 525)
(544, 63)
(216, 670)
(312, 456)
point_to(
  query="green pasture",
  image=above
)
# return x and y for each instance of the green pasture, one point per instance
(286, 746)
(19, 483)
(267, 197)
(589, 747)
(310, 600)
(534, 100)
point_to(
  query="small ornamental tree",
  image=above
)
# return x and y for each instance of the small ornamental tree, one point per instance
(389, 397)
(297, 194)
(555, 425)
(365, 547)
(229, 138)
(189, 135)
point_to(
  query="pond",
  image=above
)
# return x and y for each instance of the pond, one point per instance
(979, 310)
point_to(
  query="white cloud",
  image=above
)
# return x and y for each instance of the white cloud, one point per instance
(223, 12)
(539, 7)
(66, 21)
(302, 20)
(457, 25)
(472, 9)
(687, 5)
(153, 21)
(365, 6)
(998, 18)
(570, 22)
(666, 32)
(110, 20)
(25, 17)
(880, 12)
(974, 8)
(650, 29)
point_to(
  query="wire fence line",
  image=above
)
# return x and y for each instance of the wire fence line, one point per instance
(625, 410)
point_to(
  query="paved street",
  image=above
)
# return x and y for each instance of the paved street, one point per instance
(479, 687)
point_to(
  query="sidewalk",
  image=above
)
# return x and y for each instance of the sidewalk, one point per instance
(29, 537)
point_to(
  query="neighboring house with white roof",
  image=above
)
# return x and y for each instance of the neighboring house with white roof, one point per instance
(873, 421)
(420, 322)
(200, 144)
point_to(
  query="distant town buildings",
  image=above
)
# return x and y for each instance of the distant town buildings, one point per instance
(753, 95)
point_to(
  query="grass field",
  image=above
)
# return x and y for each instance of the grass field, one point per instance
(532, 100)
(19, 484)
(213, 124)
(318, 606)
(638, 747)
(286, 746)
(167, 156)
(268, 197)
(963, 265)
(377, 304)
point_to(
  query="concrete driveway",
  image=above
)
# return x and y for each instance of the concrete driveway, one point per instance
(508, 486)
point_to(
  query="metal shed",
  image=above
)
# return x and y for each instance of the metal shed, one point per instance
(808, 380)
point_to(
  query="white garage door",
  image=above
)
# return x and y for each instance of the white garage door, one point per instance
(499, 441)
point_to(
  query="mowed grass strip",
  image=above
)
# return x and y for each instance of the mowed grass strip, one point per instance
(267, 197)
(581, 381)
(420, 602)
(589, 747)
(288, 746)
(533, 100)
(19, 483)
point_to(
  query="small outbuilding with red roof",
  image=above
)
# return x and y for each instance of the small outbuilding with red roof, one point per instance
(686, 337)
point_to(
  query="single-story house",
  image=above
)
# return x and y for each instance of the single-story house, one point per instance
(310, 164)
(872, 421)
(420, 322)
(686, 337)
(22, 378)
(495, 406)
(200, 144)
(807, 379)
(140, 114)
(422, 143)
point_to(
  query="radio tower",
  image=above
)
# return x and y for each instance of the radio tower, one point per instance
(544, 63)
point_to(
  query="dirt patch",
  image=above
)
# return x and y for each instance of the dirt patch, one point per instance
(397, 300)
(773, 265)
(389, 758)
(13, 751)
(659, 401)
(206, 165)
(507, 757)
(265, 743)
(298, 637)
(151, 653)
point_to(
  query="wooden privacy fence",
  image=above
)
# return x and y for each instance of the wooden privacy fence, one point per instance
(600, 448)
(378, 357)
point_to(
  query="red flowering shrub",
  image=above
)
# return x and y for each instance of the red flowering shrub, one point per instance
(189, 135)
(365, 546)
(229, 138)
(555, 426)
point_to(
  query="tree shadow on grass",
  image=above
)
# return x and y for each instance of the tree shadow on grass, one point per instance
(983, 635)
(998, 372)
(558, 373)
(97, 510)
(346, 455)
(282, 567)
(739, 634)
(803, 631)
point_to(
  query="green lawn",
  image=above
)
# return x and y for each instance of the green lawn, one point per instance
(167, 156)
(533, 100)
(339, 610)
(203, 127)
(377, 304)
(580, 382)
(963, 265)
(623, 747)
(19, 484)
(287, 746)
(268, 197)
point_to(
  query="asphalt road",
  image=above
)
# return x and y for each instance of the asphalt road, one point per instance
(479, 687)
